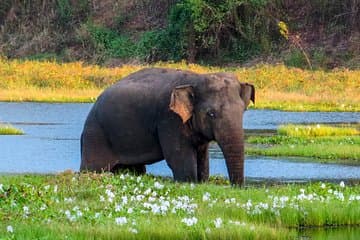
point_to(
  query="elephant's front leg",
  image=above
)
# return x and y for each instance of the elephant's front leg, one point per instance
(203, 162)
(181, 157)
(183, 163)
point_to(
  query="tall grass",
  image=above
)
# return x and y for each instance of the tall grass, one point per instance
(277, 87)
(7, 129)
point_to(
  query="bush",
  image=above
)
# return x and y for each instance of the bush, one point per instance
(237, 29)
(112, 43)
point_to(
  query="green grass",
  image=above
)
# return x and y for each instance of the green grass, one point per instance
(316, 130)
(7, 129)
(95, 206)
(326, 143)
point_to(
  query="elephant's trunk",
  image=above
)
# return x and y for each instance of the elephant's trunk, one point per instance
(232, 146)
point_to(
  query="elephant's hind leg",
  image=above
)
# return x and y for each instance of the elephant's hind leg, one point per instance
(138, 169)
(96, 154)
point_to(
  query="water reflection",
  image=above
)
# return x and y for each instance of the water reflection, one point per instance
(349, 233)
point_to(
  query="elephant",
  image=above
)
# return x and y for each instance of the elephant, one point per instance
(159, 113)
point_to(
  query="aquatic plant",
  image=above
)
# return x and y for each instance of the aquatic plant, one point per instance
(326, 143)
(318, 130)
(7, 129)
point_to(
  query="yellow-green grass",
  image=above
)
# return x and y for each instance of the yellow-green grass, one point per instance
(7, 129)
(104, 206)
(326, 143)
(316, 130)
(277, 87)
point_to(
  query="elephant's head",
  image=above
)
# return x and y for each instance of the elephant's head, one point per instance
(214, 108)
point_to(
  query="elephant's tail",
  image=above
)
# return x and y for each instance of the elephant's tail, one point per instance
(81, 149)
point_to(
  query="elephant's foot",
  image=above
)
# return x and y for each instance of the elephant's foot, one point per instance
(135, 169)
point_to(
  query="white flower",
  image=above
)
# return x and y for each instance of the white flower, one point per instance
(109, 193)
(206, 197)
(79, 213)
(189, 221)
(323, 185)
(43, 207)
(97, 215)
(130, 210)
(157, 185)
(55, 189)
(102, 199)
(208, 230)
(138, 179)
(1, 188)
(9, 229)
(68, 200)
(342, 184)
(217, 222)
(133, 230)
(139, 198)
(69, 216)
(118, 207)
(120, 220)
(26, 210)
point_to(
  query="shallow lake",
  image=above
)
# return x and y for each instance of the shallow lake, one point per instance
(51, 143)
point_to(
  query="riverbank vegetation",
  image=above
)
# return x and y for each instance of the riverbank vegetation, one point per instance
(326, 143)
(277, 87)
(7, 129)
(306, 34)
(104, 206)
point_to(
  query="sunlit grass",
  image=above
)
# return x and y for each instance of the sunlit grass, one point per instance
(277, 87)
(104, 206)
(7, 129)
(324, 152)
(327, 143)
(317, 130)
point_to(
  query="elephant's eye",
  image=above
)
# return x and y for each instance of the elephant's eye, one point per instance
(211, 113)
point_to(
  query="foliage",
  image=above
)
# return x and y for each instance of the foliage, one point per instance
(112, 43)
(65, 12)
(203, 28)
(7, 129)
(104, 206)
(210, 31)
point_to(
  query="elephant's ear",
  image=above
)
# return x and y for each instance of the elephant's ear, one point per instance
(247, 93)
(182, 101)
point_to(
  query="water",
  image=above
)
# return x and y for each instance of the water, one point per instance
(51, 143)
(349, 233)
